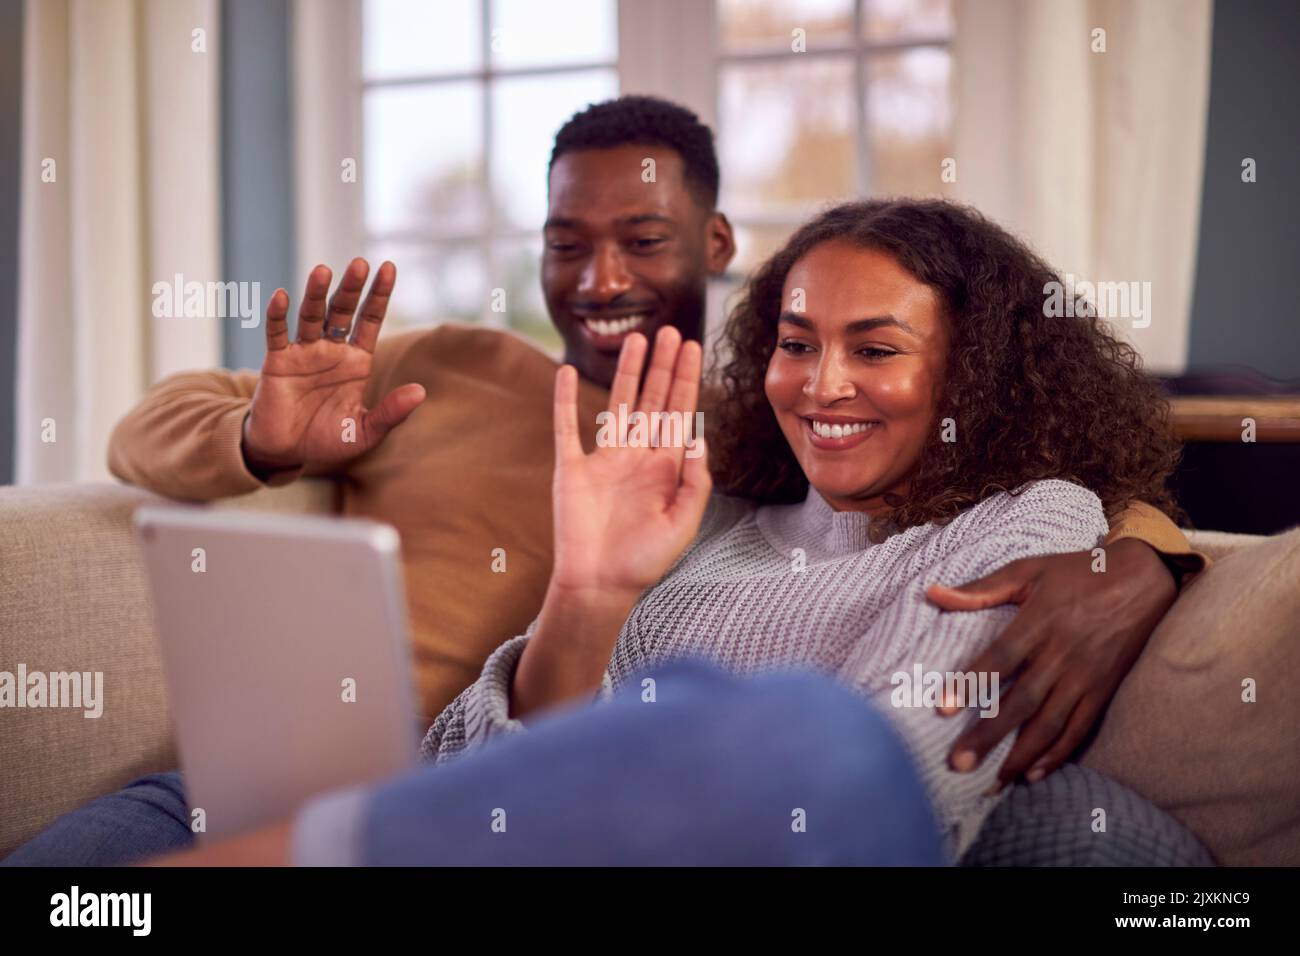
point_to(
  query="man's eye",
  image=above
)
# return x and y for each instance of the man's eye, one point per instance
(562, 248)
(648, 243)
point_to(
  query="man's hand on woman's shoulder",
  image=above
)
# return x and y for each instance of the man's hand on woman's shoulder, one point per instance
(1077, 634)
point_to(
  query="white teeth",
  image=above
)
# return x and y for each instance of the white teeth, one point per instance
(614, 326)
(826, 430)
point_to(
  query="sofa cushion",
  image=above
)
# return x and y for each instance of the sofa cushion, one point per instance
(73, 597)
(1206, 723)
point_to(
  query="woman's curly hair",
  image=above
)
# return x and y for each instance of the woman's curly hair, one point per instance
(1032, 396)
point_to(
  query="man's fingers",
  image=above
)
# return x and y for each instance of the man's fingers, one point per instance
(1008, 585)
(277, 321)
(654, 392)
(365, 334)
(1050, 737)
(391, 412)
(568, 444)
(343, 303)
(987, 732)
(1004, 656)
(311, 314)
(1016, 706)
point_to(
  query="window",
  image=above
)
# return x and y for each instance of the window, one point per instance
(824, 100)
(461, 100)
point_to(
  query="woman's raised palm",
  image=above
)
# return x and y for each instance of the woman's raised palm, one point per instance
(624, 514)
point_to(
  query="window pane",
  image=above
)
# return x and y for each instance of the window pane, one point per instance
(439, 282)
(527, 112)
(517, 269)
(769, 24)
(754, 245)
(909, 121)
(787, 135)
(412, 37)
(884, 20)
(424, 155)
(535, 33)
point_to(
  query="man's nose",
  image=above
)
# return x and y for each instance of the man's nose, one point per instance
(830, 381)
(606, 275)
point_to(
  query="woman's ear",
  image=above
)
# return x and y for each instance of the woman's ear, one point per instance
(721, 244)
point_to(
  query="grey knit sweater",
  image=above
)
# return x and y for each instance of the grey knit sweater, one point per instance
(801, 585)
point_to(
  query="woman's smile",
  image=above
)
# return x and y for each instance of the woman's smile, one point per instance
(838, 432)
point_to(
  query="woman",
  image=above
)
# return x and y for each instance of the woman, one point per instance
(896, 412)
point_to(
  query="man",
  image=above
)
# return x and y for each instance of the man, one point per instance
(466, 480)
(452, 441)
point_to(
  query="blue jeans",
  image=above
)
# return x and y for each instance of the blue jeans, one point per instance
(784, 769)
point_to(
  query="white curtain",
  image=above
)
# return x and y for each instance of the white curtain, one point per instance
(1095, 158)
(327, 129)
(120, 189)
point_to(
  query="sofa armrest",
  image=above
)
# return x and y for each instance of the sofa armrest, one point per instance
(74, 597)
(1217, 545)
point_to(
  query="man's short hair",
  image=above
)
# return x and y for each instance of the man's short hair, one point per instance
(647, 121)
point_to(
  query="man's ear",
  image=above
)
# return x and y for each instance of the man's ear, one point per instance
(721, 244)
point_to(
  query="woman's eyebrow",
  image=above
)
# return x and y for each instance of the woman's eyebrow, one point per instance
(857, 325)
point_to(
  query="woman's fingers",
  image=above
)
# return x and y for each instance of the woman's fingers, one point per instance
(660, 377)
(365, 334)
(277, 321)
(568, 444)
(676, 430)
(628, 374)
(693, 492)
(311, 314)
(660, 412)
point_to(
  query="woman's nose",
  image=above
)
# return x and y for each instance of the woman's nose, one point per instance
(830, 382)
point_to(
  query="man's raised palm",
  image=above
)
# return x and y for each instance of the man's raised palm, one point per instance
(307, 409)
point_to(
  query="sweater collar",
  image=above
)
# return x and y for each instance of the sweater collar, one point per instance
(816, 527)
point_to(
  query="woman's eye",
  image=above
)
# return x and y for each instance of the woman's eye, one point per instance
(794, 348)
(875, 353)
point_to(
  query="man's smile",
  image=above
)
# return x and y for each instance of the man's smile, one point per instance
(606, 331)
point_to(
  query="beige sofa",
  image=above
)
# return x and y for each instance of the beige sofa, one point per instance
(73, 597)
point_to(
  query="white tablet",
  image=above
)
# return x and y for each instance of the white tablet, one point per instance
(285, 654)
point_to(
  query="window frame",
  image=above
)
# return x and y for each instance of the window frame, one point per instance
(492, 231)
(858, 47)
(669, 48)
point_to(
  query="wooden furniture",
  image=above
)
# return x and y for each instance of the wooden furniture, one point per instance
(1218, 418)
(1225, 481)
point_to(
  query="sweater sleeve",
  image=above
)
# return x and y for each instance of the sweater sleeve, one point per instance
(184, 439)
(482, 710)
(1153, 527)
(911, 646)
